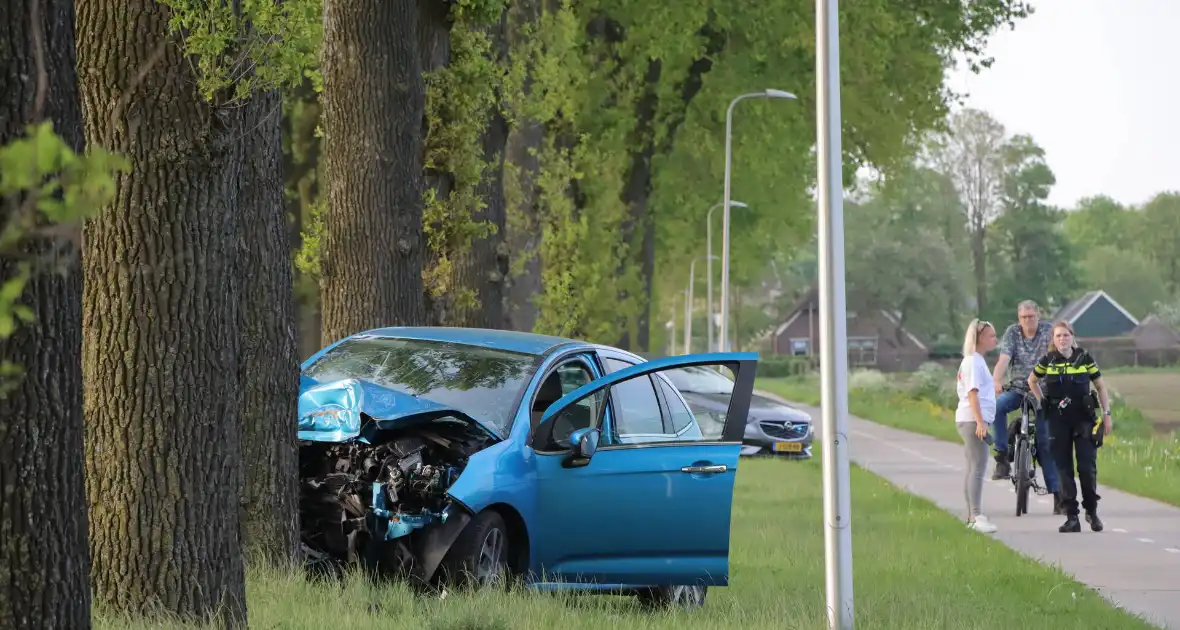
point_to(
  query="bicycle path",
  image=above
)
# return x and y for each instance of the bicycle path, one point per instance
(1136, 564)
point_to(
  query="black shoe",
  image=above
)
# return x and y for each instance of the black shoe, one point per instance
(1003, 468)
(1058, 508)
(1072, 524)
(1094, 521)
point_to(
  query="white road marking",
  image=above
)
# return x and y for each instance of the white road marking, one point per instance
(1119, 530)
(1146, 540)
(1172, 550)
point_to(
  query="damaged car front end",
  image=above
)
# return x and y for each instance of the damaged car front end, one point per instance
(375, 469)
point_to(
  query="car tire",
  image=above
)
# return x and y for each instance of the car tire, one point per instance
(687, 597)
(481, 555)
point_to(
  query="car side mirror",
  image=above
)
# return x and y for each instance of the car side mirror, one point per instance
(583, 445)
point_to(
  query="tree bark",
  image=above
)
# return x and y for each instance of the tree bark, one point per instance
(160, 325)
(269, 366)
(483, 266)
(44, 557)
(521, 229)
(373, 101)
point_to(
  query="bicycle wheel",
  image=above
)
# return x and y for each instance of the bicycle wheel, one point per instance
(1021, 474)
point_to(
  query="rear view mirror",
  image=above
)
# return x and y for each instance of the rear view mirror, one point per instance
(583, 445)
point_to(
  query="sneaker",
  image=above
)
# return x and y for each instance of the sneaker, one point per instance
(1094, 521)
(981, 524)
(1003, 468)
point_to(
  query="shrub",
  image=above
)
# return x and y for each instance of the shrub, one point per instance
(869, 381)
(934, 383)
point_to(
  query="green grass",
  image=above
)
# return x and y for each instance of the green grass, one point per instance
(1132, 458)
(916, 568)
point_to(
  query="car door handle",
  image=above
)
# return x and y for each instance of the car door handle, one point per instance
(719, 468)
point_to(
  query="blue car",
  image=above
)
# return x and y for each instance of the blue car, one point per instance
(470, 456)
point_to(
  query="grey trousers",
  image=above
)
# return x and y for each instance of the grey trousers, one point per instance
(976, 452)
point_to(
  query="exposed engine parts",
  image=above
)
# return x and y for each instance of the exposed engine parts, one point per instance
(354, 493)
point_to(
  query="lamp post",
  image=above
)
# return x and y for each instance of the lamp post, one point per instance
(724, 323)
(709, 266)
(833, 333)
(688, 322)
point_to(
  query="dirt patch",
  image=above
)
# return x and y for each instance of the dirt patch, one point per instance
(1153, 393)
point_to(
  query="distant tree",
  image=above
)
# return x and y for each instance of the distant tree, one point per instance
(1099, 221)
(1030, 255)
(1127, 275)
(971, 155)
(1160, 236)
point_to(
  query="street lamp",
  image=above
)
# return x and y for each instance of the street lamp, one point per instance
(724, 323)
(709, 264)
(688, 321)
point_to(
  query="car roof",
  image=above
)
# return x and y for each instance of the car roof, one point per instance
(510, 340)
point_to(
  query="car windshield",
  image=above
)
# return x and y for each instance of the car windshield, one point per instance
(699, 380)
(483, 383)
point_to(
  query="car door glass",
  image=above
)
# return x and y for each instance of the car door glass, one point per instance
(581, 415)
(681, 420)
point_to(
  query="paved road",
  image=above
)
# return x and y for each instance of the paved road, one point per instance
(1137, 565)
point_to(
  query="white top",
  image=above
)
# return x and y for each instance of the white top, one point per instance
(973, 374)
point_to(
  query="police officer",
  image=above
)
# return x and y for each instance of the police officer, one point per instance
(1061, 383)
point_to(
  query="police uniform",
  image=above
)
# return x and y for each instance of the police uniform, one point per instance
(1075, 427)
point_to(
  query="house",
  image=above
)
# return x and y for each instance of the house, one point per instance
(1154, 334)
(875, 339)
(1096, 315)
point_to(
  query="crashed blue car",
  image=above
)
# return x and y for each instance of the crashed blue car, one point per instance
(464, 455)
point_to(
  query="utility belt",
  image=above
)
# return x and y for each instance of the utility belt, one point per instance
(1063, 405)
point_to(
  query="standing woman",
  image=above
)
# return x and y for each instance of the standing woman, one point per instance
(1061, 383)
(976, 411)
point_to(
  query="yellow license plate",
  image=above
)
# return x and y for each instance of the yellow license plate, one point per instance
(788, 447)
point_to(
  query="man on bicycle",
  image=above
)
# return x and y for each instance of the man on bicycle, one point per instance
(1020, 347)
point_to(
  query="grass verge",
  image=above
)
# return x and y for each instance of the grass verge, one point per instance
(916, 568)
(1131, 459)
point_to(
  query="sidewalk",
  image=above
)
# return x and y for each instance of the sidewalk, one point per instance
(1137, 566)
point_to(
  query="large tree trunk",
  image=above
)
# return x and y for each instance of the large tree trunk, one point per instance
(373, 103)
(521, 225)
(483, 266)
(979, 259)
(44, 558)
(160, 325)
(269, 366)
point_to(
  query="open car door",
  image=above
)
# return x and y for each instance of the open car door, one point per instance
(633, 488)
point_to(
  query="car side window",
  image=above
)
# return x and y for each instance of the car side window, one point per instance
(680, 418)
(581, 415)
(638, 418)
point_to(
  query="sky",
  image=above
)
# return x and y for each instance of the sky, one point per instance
(1094, 83)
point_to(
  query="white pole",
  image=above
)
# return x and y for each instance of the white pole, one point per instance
(688, 315)
(833, 334)
(723, 325)
(709, 272)
(709, 269)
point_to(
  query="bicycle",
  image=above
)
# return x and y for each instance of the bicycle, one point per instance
(1022, 447)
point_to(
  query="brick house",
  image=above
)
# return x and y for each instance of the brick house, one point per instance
(875, 339)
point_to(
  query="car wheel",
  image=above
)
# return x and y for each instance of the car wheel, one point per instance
(480, 556)
(678, 596)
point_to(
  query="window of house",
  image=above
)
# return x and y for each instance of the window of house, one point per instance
(800, 347)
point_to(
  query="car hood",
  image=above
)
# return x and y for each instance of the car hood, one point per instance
(761, 407)
(336, 411)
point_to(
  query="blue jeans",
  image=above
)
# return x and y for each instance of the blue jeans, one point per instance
(1006, 403)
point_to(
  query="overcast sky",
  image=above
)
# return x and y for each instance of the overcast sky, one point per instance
(1095, 82)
